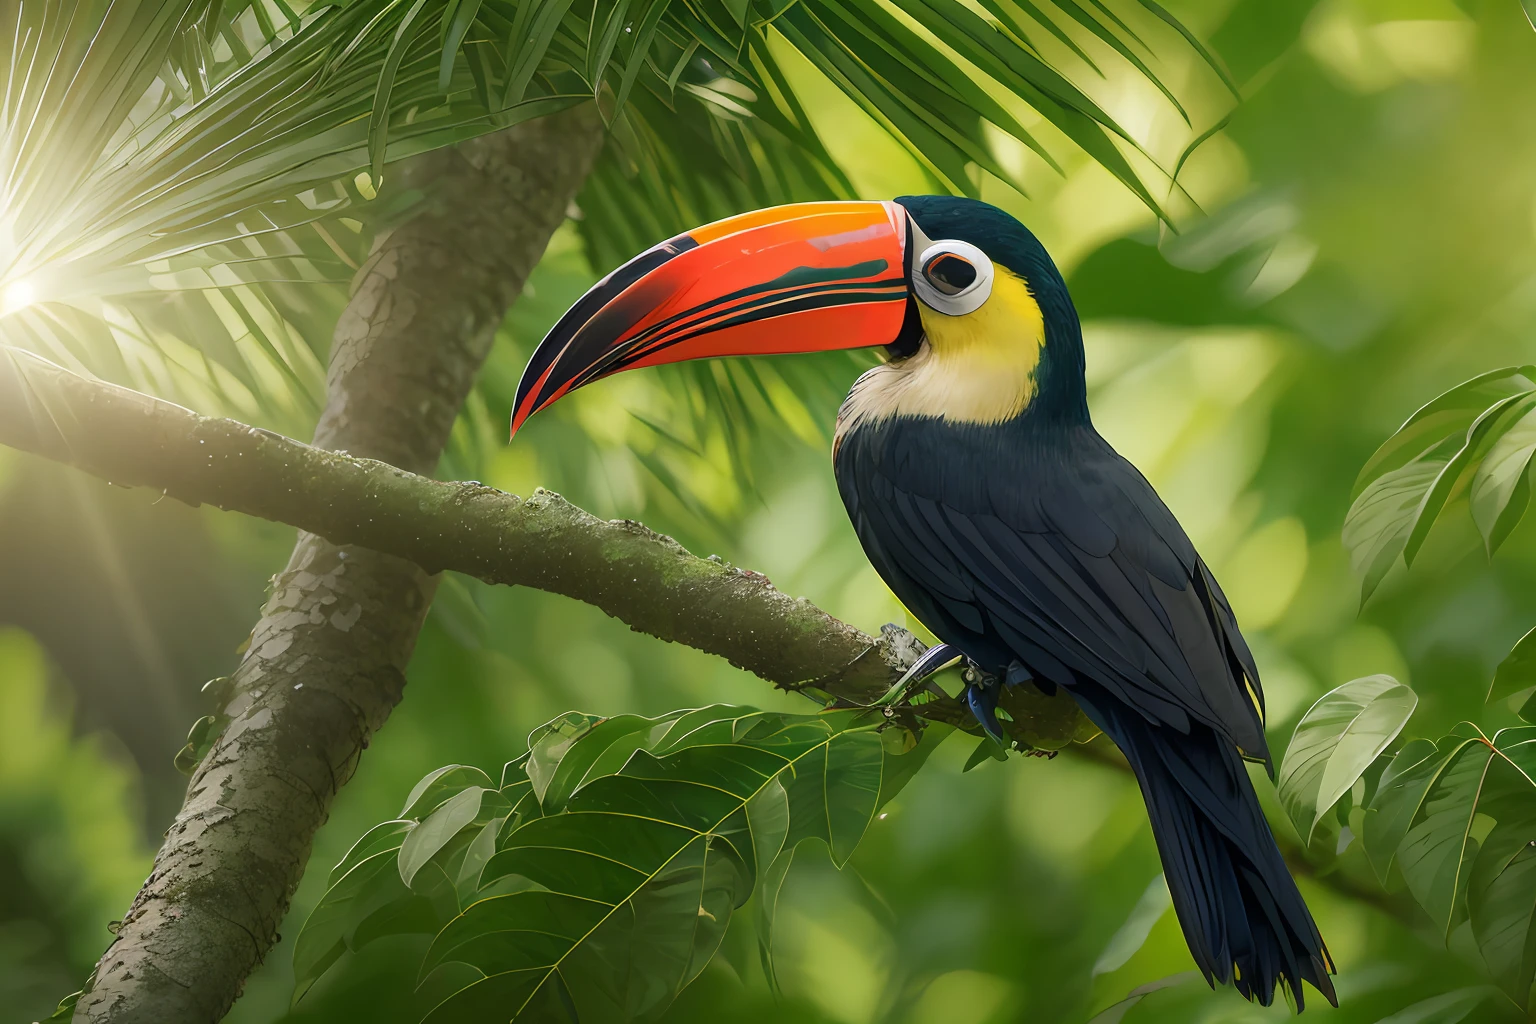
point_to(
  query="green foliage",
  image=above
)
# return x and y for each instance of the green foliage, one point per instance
(1336, 741)
(136, 173)
(1456, 817)
(1475, 440)
(598, 878)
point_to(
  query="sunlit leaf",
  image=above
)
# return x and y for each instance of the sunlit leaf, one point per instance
(1444, 416)
(1339, 737)
(1467, 458)
(428, 794)
(1500, 488)
(1379, 522)
(437, 829)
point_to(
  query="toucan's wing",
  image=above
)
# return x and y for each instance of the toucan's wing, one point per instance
(1063, 554)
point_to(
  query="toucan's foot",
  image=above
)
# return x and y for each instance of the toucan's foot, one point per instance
(981, 695)
(935, 658)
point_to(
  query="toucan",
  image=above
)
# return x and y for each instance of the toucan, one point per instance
(992, 508)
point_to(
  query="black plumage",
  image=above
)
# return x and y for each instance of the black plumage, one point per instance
(1032, 543)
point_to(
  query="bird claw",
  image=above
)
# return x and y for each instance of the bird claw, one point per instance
(934, 659)
(982, 692)
(981, 695)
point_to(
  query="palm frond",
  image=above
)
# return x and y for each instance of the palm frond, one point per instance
(186, 186)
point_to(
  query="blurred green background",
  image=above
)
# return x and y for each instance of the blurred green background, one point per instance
(1371, 240)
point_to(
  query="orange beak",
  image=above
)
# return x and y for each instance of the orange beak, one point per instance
(809, 277)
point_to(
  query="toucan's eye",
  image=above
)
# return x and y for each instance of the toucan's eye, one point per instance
(953, 277)
(950, 273)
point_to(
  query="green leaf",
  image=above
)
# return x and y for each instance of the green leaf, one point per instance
(1434, 854)
(1478, 785)
(462, 14)
(1378, 524)
(1517, 671)
(834, 792)
(479, 852)
(563, 764)
(382, 837)
(1116, 1013)
(640, 874)
(1444, 1009)
(621, 898)
(1444, 416)
(1132, 935)
(1480, 436)
(1501, 901)
(367, 887)
(986, 750)
(1500, 488)
(1338, 738)
(550, 742)
(771, 885)
(438, 829)
(439, 786)
(378, 123)
(1399, 796)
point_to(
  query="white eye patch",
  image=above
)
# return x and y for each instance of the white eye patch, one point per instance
(952, 277)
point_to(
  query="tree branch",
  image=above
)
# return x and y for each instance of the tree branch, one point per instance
(644, 579)
(634, 574)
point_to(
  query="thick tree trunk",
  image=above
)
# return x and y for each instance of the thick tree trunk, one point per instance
(325, 665)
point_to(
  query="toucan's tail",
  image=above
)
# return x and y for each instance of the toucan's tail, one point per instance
(1242, 915)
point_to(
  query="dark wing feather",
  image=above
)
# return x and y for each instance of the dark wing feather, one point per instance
(1054, 550)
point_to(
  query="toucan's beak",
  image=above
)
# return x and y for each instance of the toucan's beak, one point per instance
(802, 278)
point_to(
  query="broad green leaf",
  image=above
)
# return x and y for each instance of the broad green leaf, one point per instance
(1480, 436)
(1382, 517)
(1444, 416)
(625, 895)
(1480, 780)
(385, 836)
(768, 819)
(1338, 738)
(834, 794)
(577, 760)
(438, 829)
(1434, 854)
(1399, 796)
(769, 889)
(1517, 671)
(1500, 488)
(550, 742)
(481, 849)
(438, 786)
(1501, 902)
(368, 886)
